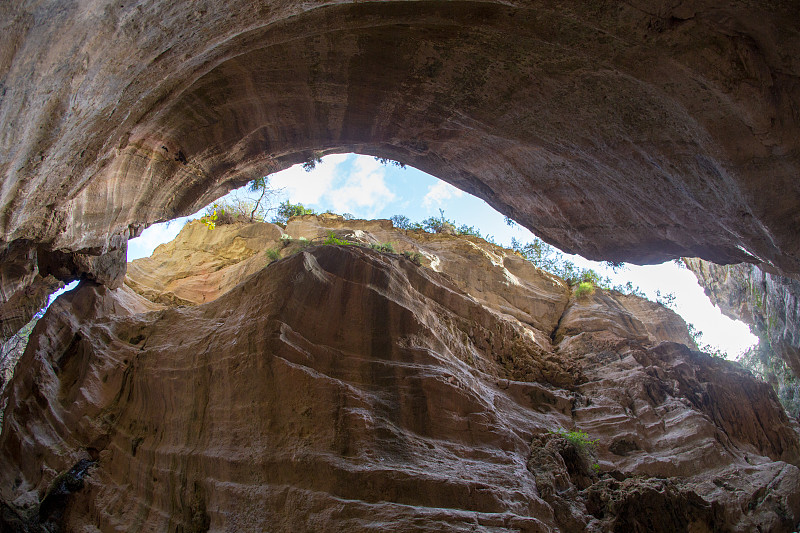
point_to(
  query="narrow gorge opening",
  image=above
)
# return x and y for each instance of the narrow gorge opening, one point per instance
(235, 306)
(359, 186)
(364, 187)
(252, 382)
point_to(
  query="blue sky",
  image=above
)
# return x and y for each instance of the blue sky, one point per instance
(365, 188)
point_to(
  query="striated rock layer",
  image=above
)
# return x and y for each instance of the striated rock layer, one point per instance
(769, 303)
(636, 132)
(343, 389)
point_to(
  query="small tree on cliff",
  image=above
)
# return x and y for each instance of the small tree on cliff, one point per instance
(236, 208)
(288, 210)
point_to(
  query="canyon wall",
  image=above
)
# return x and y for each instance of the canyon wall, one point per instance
(341, 388)
(770, 305)
(623, 132)
(767, 302)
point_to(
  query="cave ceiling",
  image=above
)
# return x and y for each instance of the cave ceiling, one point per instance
(623, 132)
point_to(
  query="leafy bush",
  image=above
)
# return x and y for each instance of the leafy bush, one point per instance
(616, 266)
(579, 439)
(414, 257)
(697, 336)
(386, 161)
(333, 240)
(311, 162)
(288, 210)
(220, 213)
(385, 247)
(400, 222)
(548, 258)
(210, 219)
(629, 288)
(238, 209)
(463, 229)
(273, 255)
(438, 225)
(667, 300)
(584, 288)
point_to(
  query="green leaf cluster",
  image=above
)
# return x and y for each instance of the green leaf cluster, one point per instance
(579, 439)
(273, 255)
(414, 257)
(333, 240)
(583, 289)
(287, 210)
(387, 161)
(385, 247)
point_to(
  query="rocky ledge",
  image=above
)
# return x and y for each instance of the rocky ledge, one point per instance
(340, 388)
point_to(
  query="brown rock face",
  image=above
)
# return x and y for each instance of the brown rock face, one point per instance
(627, 132)
(769, 303)
(341, 389)
(200, 264)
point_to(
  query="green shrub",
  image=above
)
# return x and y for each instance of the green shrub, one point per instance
(273, 255)
(333, 240)
(385, 247)
(401, 222)
(414, 257)
(210, 219)
(387, 161)
(311, 161)
(220, 213)
(579, 439)
(463, 229)
(584, 288)
(288, 210)
(438, 225)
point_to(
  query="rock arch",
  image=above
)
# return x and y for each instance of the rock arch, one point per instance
(619, 132)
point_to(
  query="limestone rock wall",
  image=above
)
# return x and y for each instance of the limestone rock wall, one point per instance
(769, 303)
(340, 388)
(624, 132)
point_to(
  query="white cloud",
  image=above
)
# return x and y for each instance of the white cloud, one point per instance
(308, 187)
(151, 237)
(440, 192)
(363, 191)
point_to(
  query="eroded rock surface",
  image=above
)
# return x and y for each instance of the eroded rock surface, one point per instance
(769, 303)
(622, 131)
(344, 389)
(201, 264)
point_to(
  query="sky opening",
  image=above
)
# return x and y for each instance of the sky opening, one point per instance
(366, 188)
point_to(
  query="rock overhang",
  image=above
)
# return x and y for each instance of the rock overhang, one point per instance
(622, 133)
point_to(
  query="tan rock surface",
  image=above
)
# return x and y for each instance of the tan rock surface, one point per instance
(345, 389)
(498, 278)
(769, 303)
(201, 264)
(636, 132)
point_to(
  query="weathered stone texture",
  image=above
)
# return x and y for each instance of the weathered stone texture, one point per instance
(625, 132)
(769, 303)
(345, 389)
